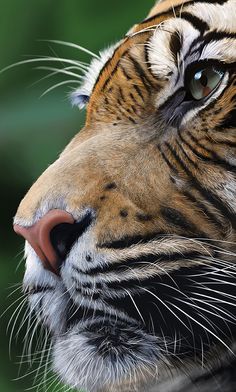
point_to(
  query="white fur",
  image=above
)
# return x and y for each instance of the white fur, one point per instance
(161, 59)
(75, 359)
(218, 17)
(91, 76)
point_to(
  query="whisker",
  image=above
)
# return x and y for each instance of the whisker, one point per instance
(18, 311)
(14, 291)
(72, 45)
(51, 74)
(135, 305)
(13, 303)
(164, 303)
(228, 314)
(78, 64)
(57, 85)
(203, 326)
(60, 70)
(203, 315)
(40, 59)
(19, 263)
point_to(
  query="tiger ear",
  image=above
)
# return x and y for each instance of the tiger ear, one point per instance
(79, 98)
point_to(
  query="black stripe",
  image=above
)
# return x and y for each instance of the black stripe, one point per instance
(193, 163)
(229, 121)
(38, 289)
(193, 149)
(113, 71)
(180, 7)
(145, 282)
(123, 70)
(176, 218)
(169, 164)
(225, 371)
(141, 73)
(202, 41)
(176, 42)
(136, 263)
(205, 192)
(228, 143)
(209, 37)
(81, 313)
(121, 94)
(127, 241)
(193, 199)
(134, 100)
(170, 289)
(207, 213)
(217, 160)
(132, 120)
(196, 22)
(217, 36)
(139, 91)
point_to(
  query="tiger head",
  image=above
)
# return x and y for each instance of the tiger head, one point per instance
(130, 234)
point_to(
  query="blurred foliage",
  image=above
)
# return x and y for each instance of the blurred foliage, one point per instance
(33, 131)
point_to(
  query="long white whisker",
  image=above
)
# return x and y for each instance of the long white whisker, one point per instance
(135, 305)
(58, 71)
(13, 303)
(215, 300)
(204, 328)
(205, 310)
(17, 289)
(51, 74)
(78, 64)
(163, 303)
(18, 311)
(72, 45)
(41, 59)
(58, 85)
(228, 314)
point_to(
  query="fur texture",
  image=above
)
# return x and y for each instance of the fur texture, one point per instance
(145, 300)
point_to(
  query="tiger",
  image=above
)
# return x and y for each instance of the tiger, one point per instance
(130, 234)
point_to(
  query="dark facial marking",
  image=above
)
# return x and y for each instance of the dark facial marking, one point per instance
(111, 185)
(143, 217)
(124, 213)
(176, 45)
(102, 198)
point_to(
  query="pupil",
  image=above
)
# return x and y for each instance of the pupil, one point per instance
(204, 80)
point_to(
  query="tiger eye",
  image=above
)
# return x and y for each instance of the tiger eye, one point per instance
(204, 81)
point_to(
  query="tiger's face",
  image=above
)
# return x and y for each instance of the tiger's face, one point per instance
(130, 234)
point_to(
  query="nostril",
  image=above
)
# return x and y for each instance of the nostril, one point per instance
(64, 235)
(53, 236)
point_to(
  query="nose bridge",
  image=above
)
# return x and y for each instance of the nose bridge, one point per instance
(78, 179)
(92, 159)
(94, 174)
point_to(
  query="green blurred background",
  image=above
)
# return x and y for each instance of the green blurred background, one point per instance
(34, 130)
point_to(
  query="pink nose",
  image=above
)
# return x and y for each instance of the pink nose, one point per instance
(38, 236)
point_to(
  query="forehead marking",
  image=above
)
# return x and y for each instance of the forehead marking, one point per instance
(111, 66)
(168, 9)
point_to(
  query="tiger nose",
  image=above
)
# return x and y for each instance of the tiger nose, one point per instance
(48, 237)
